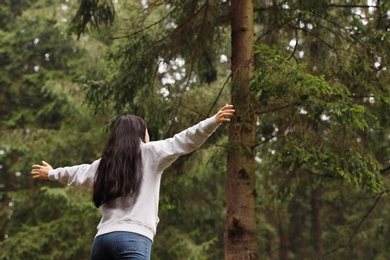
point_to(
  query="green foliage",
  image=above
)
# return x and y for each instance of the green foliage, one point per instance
(49, 225)
(150, 42)
(94, 13)
(180, 245)
(42, 117)
(322, 98)
(318, 127)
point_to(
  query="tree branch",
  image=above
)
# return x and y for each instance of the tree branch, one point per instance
(145, 28)
(219, 94)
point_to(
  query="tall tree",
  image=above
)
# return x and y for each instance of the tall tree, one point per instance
(241, 236)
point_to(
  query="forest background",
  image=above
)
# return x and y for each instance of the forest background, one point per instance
(319, 101)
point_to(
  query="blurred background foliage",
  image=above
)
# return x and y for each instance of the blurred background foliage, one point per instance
(320, 89)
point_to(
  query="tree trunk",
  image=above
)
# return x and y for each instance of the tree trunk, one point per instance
(283, 236)
(316, 220)
(241, 235)
(269, 236)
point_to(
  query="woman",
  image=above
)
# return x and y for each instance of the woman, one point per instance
(126, 182)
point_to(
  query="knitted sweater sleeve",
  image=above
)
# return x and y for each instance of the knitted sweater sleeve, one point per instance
(78, 175)
(165, 152)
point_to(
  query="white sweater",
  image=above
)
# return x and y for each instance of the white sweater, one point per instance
(139, 215)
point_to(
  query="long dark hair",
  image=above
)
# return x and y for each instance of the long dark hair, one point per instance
(119, 172)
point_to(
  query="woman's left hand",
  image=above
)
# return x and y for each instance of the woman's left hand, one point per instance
(41, 171)
(224, 113)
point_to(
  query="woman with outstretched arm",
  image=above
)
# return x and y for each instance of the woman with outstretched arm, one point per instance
(126, 182)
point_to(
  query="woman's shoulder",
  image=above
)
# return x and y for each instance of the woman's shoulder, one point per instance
(151, 146)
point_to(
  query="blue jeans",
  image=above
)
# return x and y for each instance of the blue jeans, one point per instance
(121, 245)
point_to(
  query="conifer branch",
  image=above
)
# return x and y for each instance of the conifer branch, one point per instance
(145, 28)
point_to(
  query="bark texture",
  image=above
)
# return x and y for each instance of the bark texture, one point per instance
(241, 234)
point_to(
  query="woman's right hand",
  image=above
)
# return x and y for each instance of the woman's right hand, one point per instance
(41, 171)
